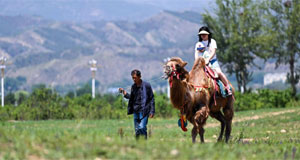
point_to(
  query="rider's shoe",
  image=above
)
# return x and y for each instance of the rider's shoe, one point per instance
(228, 90)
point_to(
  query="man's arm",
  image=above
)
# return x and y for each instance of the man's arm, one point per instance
(152, 103)
(125, 94)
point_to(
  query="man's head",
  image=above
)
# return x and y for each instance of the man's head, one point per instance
(136, 76)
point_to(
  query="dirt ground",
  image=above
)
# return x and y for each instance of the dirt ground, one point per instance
(252, 117)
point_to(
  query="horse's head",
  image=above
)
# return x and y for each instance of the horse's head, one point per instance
(174, 68)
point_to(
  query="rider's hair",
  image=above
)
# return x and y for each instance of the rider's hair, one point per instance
(136, 72)
(205, 28)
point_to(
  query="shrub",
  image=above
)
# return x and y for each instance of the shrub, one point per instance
(44, 103)
(264, 98)
(163, 106)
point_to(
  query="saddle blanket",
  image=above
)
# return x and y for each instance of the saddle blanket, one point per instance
(223, 90)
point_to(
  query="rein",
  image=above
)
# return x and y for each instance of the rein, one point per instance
(199, 88)
(183, 118)
(208, 71)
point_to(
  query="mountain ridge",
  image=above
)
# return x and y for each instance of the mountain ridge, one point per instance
(57, 53)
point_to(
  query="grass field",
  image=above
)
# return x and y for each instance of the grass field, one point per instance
(261, 134)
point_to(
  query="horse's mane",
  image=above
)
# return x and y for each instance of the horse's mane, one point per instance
(199, 63)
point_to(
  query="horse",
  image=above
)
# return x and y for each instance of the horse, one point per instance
(193, 93)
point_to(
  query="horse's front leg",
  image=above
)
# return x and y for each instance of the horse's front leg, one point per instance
(194, 133)
(200, 120)
(201, 133)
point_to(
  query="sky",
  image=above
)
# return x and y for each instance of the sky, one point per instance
(91, 10)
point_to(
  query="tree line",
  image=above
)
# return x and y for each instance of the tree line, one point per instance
(45, 103)
(246, 29)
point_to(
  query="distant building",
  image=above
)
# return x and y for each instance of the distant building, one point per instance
(269, 78)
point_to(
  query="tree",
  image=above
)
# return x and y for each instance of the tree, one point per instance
(10, 98)
(236, 25)
(21, 96)
(283, 25)
(14, 84)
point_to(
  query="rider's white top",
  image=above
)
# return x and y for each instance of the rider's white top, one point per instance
(212, 45)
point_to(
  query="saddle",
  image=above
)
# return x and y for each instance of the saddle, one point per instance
(211, 73)
(219, 86)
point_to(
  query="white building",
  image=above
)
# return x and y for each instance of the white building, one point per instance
(274, 77)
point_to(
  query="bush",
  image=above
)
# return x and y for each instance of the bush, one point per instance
(44, 103)
(164, 107)
(264, 98)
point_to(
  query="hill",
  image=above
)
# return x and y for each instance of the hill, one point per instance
(57, 53)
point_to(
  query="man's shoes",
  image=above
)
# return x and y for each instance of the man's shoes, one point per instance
(137, 137)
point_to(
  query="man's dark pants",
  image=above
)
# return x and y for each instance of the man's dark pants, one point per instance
(140, 124)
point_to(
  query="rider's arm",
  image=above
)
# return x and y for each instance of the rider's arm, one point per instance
(212, 53)
(212, 49)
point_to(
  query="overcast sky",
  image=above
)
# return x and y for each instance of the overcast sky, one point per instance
(90, 10)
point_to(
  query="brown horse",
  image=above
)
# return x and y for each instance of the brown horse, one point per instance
(193, 95)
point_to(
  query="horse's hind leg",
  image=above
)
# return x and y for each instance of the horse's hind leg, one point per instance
(220, 117)
(228, 130)
(228, 114)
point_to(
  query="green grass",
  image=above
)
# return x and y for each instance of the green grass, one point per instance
(269, 137)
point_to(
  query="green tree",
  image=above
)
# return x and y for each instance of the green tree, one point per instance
(45, 102)
(86, 89)
(236, 25)
(163, 106)
(14, 84)
(10, 98)
(21, 96)
(283, 25)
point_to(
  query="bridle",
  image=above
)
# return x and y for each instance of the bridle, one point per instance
(174, 73)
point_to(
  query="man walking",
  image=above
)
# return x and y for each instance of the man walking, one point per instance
(141, 103)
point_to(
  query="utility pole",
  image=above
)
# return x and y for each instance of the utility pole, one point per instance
(93, 69)
(2, 67)
(168, 86)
